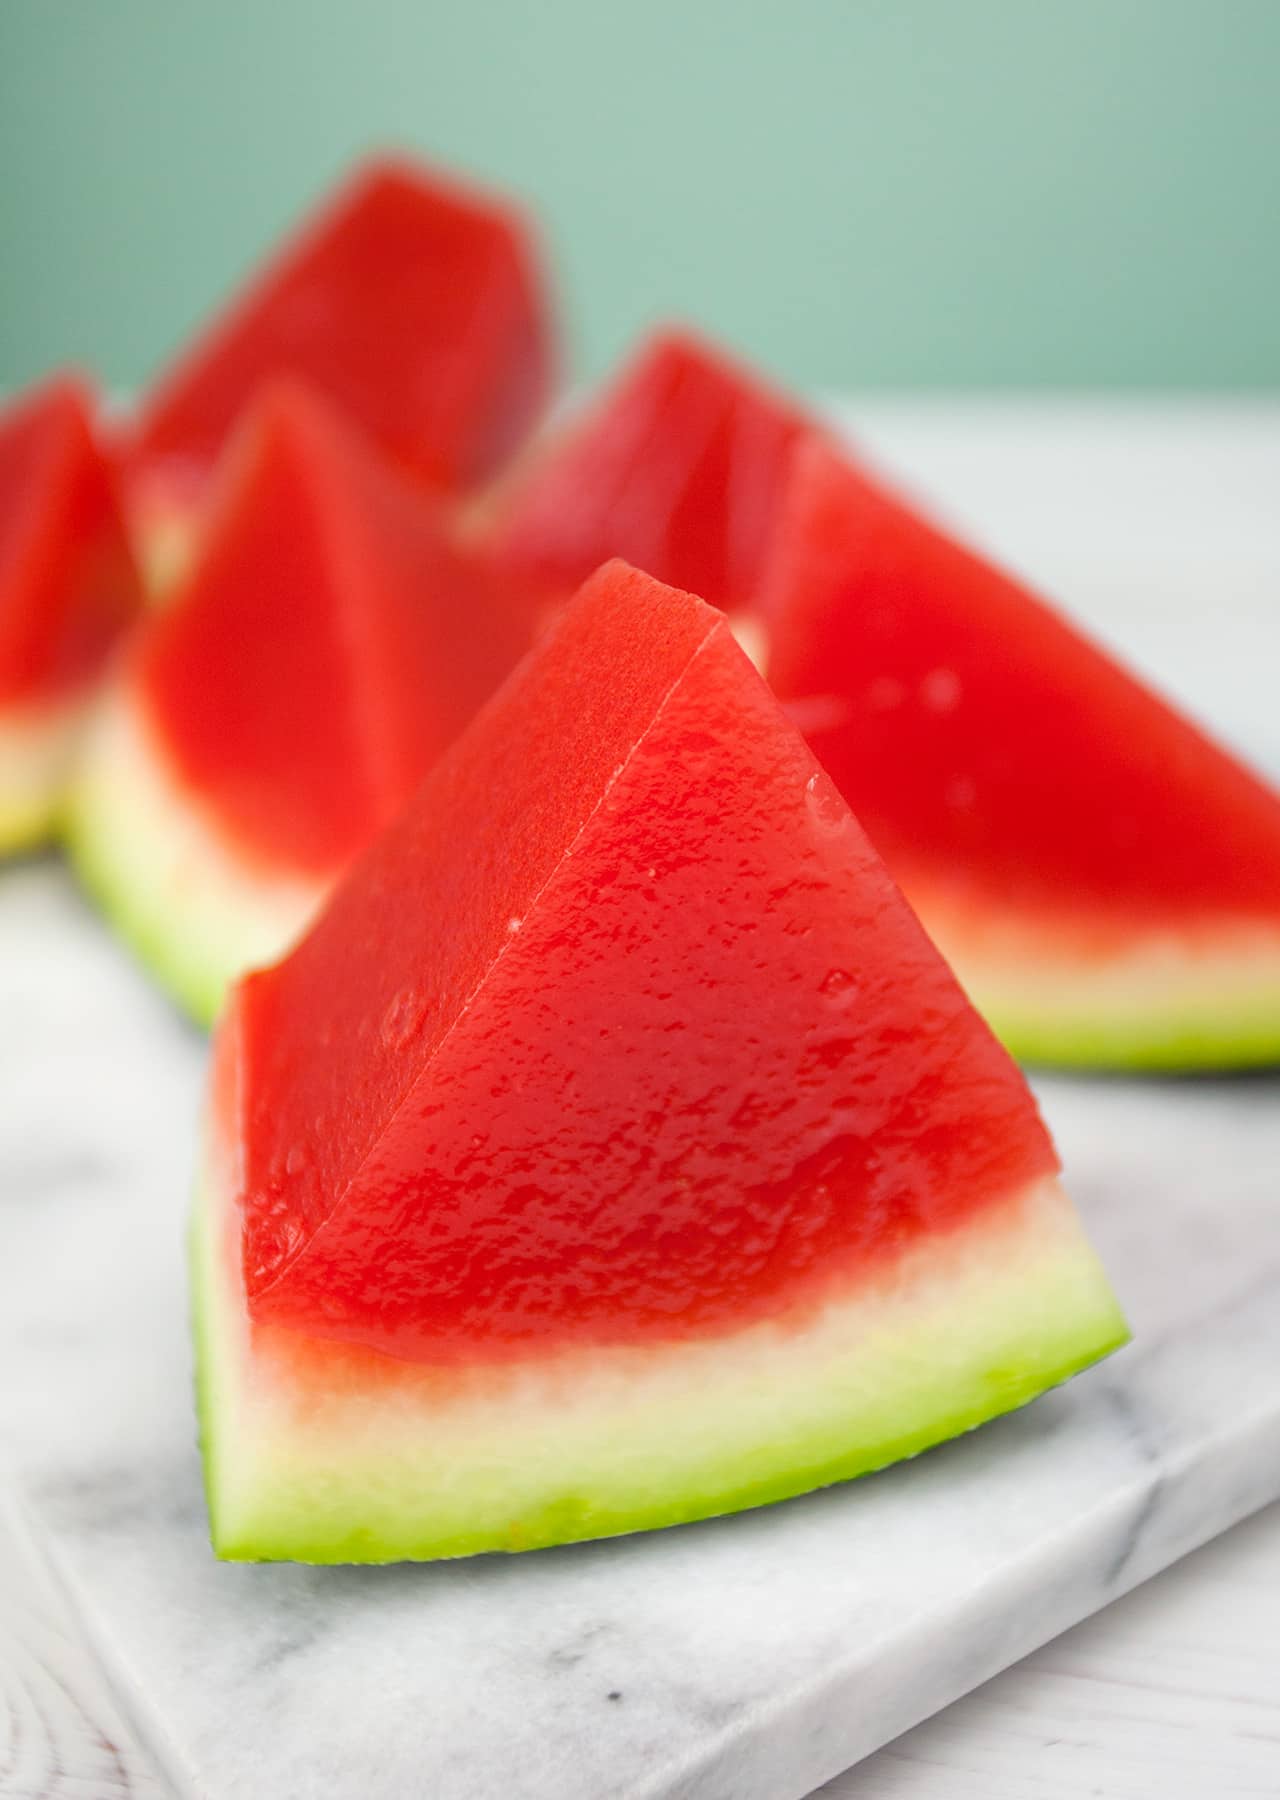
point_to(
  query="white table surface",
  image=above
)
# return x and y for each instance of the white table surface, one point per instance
(1160, 524)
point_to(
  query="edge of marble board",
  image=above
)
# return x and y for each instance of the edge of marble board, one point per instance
(799, 1740)
(804, 1739)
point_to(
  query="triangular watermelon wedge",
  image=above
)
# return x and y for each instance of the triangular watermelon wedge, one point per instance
(616, 1150)
(1103, 878)
(414, 304)
(677, 465)
(327, 646)
(68, 588)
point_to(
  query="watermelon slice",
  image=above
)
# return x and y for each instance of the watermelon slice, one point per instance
(327, 646)
(68, 588)
(678, 467)
(1104, 879)
(616, 1149)
(414, 304)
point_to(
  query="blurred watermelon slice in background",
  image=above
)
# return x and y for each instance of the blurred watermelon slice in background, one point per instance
(1104, 879)
(328, 643)
(677, 465)
(415, 304)
(68, 588)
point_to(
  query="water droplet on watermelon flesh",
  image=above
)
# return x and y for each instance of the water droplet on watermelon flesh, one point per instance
(827, 810)
(276, 1244)
(403, 1018)
(839, 986)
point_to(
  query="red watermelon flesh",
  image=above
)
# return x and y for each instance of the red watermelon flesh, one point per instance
(68, 588)
(618, 1058)
(1046, 813)
(677, 466)
(414, 304)
(330, 641)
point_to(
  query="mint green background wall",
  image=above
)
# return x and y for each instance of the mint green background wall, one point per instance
(857, 192)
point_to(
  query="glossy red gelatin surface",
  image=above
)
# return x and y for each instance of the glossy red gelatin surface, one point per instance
(327, 646)
(677, 466)
(413, 304)
(620, 1033)
(68, 585)
(985, 743)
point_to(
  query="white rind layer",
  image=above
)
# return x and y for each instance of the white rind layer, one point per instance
(38, 749)
(324, 1452)
(197, 911)
(1201, 996)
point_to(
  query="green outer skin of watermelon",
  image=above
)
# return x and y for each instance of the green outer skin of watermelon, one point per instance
(1166, 1005)
(38, 749)
(612, 1440)
(1185, 1035)
(195, 915)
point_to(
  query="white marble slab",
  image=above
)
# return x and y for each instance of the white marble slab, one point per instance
(1172, 1693)
(747, 1659)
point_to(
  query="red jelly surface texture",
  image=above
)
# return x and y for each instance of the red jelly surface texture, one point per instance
(621, 1033)
(413, 304)
(68, 585)
(328, 645)
(678, 467)
(981, 740)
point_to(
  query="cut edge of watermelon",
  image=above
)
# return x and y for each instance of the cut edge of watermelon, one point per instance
(320, 1452)
(195, 912)
(39, 745)
(1165, 1001)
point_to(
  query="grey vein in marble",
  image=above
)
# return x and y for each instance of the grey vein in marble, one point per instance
(743, 1659)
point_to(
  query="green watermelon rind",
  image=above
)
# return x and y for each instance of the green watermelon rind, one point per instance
(984, 1343)
(1168, 999)
(1179, 1037)
(1209, 1003)
(103, 861)
(194, 916)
